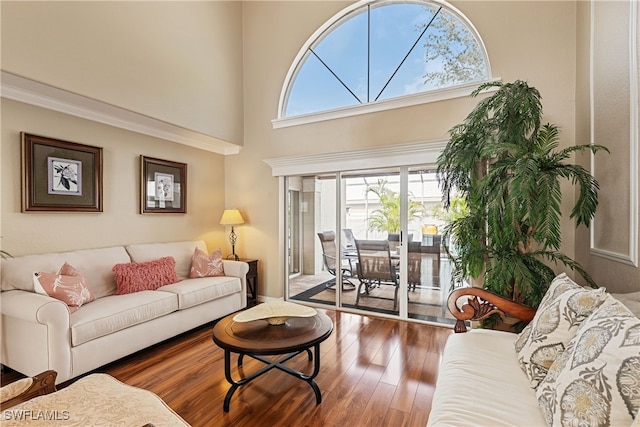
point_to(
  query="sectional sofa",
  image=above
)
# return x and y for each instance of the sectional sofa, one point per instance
(42, 333)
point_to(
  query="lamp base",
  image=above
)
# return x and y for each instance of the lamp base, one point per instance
(234, 257)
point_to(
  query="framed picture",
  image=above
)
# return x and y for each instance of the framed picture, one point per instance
(60, 175)
(163, 186)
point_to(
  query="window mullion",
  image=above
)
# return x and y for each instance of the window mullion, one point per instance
(368, 53)
(335, 75)
(409, 52)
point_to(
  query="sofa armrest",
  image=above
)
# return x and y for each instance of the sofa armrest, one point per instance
(28, 388)
(480, 304)
(34, 307)
(236, 269)
(36, 334)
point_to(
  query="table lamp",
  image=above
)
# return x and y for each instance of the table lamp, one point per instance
(232, 217)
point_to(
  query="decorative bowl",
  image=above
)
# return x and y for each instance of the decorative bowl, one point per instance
(274, 312)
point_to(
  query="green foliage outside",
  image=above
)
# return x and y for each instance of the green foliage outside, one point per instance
(508, 168)
(387, 217)
(457, 209)
(457, 53)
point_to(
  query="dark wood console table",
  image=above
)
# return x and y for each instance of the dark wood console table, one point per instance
(252, 281)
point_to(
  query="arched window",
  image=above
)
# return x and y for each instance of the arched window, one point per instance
(380, 50)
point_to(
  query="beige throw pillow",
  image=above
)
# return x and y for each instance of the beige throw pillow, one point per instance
(563, 308)
(597, 380)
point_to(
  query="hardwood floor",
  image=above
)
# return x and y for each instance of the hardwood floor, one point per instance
(374, 372)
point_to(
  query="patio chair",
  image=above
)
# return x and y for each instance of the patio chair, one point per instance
(330, 256)
(375, 267)
(348, 241)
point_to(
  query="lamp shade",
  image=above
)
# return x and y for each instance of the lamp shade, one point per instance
(231, 217)
(429, 229)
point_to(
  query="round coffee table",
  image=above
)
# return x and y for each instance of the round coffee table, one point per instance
(258, 338)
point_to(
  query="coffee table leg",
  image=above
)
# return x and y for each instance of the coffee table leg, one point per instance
(278, 364)
(316, 369)
(227, 374)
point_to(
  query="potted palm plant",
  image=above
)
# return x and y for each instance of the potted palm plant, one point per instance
(508, 167)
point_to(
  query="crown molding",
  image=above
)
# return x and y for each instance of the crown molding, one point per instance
(22, 89)
(416, 153)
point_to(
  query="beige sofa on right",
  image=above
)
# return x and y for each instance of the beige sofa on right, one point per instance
(577, 363)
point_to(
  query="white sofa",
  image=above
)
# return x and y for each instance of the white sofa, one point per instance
(39, 333)
(481, 381)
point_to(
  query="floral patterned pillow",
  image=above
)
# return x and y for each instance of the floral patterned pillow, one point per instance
(563, 308)
(597, 379)
(67, 285)
(206, 266)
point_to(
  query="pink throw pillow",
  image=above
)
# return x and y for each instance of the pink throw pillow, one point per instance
(68, 270)
(206, 266)
(145, 276)
(68, 288)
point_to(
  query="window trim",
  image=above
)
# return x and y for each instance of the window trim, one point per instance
(452, 92)
(398, 155)
(460, 91)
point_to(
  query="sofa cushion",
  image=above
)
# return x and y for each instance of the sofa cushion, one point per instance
(180, 251)
(192, 292)
(563, 308)
(70, 289)
(116, 312)
(597, 379)
(95, 265)
(144, 276)
(480, 383)
(203, 265)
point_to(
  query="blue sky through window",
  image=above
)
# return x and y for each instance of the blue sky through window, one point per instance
(446, 54)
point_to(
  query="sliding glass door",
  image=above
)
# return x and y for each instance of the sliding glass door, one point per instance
(294, 235)
(371, 243)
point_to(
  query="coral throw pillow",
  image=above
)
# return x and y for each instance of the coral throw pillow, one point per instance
(206, 266)
(145, 276)
(67, 285)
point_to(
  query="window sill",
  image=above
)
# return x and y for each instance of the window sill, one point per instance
(387, 104)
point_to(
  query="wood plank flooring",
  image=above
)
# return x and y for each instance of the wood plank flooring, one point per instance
(374, 372)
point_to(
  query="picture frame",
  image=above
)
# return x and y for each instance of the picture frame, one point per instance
(60, 176)
(163, 186)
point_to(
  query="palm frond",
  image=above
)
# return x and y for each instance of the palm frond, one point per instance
(508, 168)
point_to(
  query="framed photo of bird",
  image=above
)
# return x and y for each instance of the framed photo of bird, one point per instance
(60, 175)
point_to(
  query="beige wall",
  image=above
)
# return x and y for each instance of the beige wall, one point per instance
(218, 68)
(120, 223)
(612, 231)
(533, 41)
(180, 62)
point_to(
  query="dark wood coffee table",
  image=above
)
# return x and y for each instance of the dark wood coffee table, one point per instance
(258, 338)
